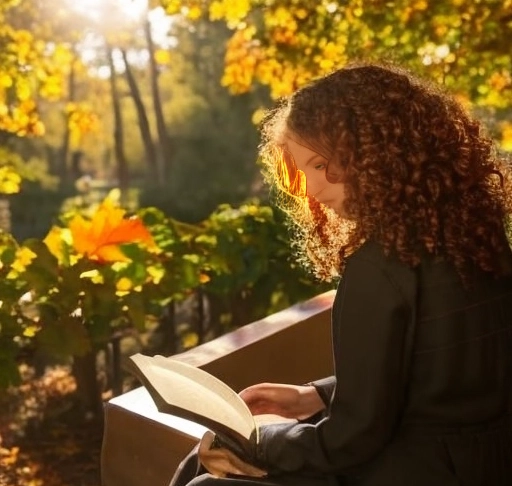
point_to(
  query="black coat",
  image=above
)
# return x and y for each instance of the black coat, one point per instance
(422, 386)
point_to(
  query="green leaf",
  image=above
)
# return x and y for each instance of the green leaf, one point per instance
(43, 271)
(64, 337)
(136, 310)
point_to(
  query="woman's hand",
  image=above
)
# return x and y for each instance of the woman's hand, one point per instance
(221, 462)
(290, 401)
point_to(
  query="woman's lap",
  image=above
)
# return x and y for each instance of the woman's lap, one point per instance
(281, 480)
(191, 473)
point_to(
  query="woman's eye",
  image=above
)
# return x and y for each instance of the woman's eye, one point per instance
(320, 166)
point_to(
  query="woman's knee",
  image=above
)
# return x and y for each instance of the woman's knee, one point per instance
(206, 480)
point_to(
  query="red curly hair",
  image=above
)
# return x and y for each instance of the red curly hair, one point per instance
(419, 174)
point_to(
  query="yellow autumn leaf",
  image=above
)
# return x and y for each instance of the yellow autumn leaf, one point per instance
(506, 137)
(124, 284)
(190, 339)
(156, 274)
(52, 87)
(94, 276)
(420, 5)
(9, 456)
(62, 55)
(162, 57)
(258, 116)
(23, 89)
(10, 180)
(194, 12)
(82, 121)
(30, 331)
(172, 7)
(233, 11)
(5, 80)
(57, 240)
(22, 259)
(301, 13)
(217, 10)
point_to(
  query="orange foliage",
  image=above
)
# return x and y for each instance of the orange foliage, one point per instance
(100, 238)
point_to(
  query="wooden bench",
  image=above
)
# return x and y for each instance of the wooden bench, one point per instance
(142, 447)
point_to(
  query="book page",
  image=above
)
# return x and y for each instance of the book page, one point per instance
(190, 388)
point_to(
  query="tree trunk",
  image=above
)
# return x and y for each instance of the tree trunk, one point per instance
(120, 157)
(164, 141)
(153, 174)
(166, 330)
(87, 387)
(63, 154)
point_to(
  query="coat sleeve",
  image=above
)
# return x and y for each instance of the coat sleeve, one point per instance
(325, 388)
(371, 320)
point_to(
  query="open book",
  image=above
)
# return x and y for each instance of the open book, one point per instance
(194, 394)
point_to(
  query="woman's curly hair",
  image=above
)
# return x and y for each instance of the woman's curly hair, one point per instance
(419, 175)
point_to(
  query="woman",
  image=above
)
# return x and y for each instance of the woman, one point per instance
(392, 187)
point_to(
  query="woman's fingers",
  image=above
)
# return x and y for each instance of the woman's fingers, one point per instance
(291, 401)
(242, 467)
(224, 466)
(220, 461)
(266, 398)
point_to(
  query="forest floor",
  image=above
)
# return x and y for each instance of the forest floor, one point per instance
(43, 441)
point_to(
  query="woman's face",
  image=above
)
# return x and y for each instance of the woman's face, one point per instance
(314, 167)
